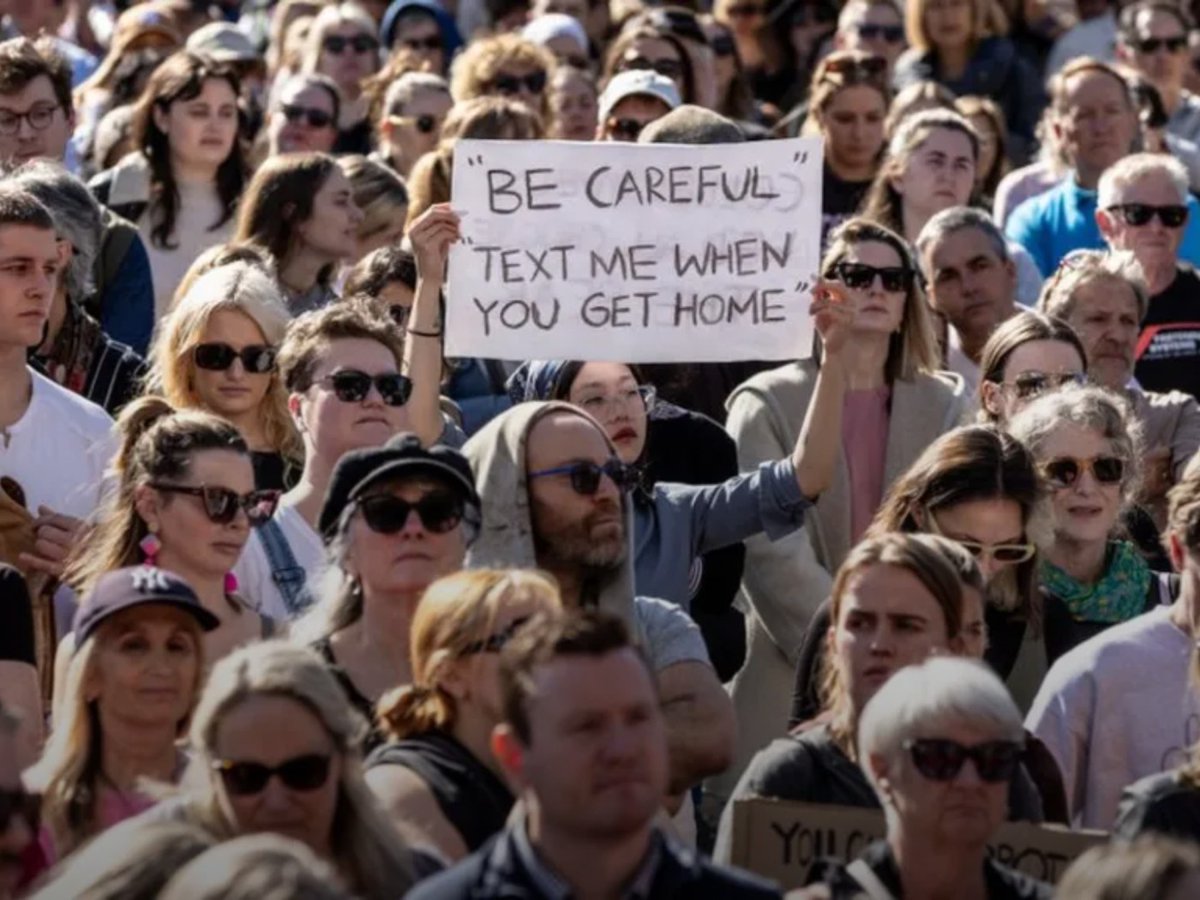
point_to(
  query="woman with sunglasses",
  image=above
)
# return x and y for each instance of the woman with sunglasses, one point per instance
(216, 351)
(381, 196)
(847, 104)
(305, 116)
(504, 65)
(300, 207)
(1029, 355)
(941, 743)
(645, 47)
(411, 114)
(1085, 443)
(182, 184)
(133, 678)
(276, 749)
(343, 46)
(436, 773)
(396, 518)
(961, 45)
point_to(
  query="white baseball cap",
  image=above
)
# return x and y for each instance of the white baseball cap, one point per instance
(634, 83)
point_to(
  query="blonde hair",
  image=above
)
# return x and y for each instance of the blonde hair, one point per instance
(68, 772)
(367, 849)
(328, 18)
(240, 287)
(455, 612)
(473, 70)
(378, 191)
(987, 20)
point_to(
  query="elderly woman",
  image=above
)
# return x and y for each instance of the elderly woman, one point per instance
(941, 742)
(76, 352)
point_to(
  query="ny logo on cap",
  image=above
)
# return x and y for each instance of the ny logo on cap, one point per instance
(149, 580)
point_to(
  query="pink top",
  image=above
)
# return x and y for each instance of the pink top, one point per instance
(865, 417)
(114, 807)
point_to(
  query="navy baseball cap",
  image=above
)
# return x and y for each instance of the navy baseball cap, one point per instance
(136, 586)
(358, 470)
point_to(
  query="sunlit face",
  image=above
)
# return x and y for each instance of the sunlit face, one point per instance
(970, 284)
(234, 391)
(201, 131)
(291, 128)
(876, 309)
(573, 105)
(271, 730)
(420, 35)
(36, 101)
(1087, 511)
(655, 53)
(989, 523)
(1104, 314)
(948, 22)
(1154, 244)
(629, 117)
(414, 128)
(887, 620)
(852, 125)
(1098, 122)
(939, 174)
(30, 267)
(610, 394)
(878, 29)
(332, 228)
(191, 542)
(146, 666)
(1057, 359)
(1167, 63)
(477, 680)
(348, 55)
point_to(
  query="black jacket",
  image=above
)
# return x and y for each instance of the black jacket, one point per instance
(1164, 803)
(496, 872)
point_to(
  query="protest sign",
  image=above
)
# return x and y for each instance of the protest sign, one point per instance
(634, 253)
(780, 839)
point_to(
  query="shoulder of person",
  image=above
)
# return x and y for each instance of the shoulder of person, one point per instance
(941, 382)
(1163, 403)
(1011, 883)
(1162, 788)
(70, 410)
(1110, 650)
(785, 385)
(787, 764)
(126, 183)
(671, 635)
(464, 879)
(912, 65)
(686, 871)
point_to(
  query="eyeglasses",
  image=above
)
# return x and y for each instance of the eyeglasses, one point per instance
(942, 760)
(217, 357)
(745, 10)
(585, 476)
(316, 118)
(861, 276)
(602, 404)
(1007, 554)
(39, 118)
(221, 505)
(433, 42)
(513, 84)
(1139, 214)
(353, 386)
(1028, 385)
(494, 643)
(301, 773)
(1152, 45)
(891, 34)
(1066, 470)
(723, 46)
(667, 68)
(424, 124)
(360, 44)
(439, 512)
(20, 803)
(625, 129)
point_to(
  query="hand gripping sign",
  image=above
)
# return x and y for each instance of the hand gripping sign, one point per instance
(634, 253)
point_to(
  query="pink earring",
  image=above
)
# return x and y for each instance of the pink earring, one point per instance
(150, 545)
(231, 583)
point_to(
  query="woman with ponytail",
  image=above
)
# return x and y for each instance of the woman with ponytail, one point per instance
(436, 774)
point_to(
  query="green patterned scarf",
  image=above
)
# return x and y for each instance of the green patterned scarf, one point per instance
(1117, 597)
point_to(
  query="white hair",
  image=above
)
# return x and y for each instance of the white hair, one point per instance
(1135, 167)
(919, 699)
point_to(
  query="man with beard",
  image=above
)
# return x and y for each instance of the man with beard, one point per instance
(972, 283)
(18, 819)
(554, 498)
(584, 742)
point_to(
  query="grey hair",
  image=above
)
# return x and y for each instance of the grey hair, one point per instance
(1080, 268)
(402, 91)
(1136, 166)
(77, 217)
(920, 699)
(257, 867)
(959, 218)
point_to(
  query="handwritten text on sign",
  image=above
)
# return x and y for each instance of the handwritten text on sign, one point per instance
(634, 253)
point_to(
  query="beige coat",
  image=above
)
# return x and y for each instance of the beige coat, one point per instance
(786, 580)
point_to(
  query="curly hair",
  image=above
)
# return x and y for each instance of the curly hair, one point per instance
(474, 69)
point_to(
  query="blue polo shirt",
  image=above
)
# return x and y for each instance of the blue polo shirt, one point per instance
(1063, 219)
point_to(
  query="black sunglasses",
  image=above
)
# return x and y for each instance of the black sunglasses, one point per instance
(301, 773)
(861, 276)
(1138, 214)
(1033, 384)
(723, 45)
(439, 512)
(361, 43)
(585, 476)
(217, 357)
(891, 34)
(625, 129)
(512, 84)
(424, 124)
(942, 760)
(21, 803)
(1065, 471)
(221, 505)
(353, 386)
(1152, 45)
(316, 118)
(667, 68)
(494, 643)
(433, 42)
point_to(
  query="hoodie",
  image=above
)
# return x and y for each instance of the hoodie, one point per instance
(451, 37)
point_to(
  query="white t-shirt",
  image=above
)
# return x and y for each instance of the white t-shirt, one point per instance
(253, 571)
(58, 451)
(1115, 709)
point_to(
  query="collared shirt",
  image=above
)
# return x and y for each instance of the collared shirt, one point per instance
(551, 885)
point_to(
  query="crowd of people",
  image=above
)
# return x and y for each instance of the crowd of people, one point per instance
(294, 605)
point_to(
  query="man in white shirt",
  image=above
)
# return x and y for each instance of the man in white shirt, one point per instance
(54, 445)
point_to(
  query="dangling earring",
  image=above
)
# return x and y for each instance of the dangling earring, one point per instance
(150, 545)
(231, 583)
